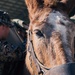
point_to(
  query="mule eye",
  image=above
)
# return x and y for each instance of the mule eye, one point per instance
(39, 33)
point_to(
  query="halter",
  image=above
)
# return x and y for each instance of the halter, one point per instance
(65, 69)
(41, 68)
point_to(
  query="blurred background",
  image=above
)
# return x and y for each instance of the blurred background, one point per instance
(16, 9)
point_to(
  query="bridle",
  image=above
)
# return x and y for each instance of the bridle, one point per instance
(41, 68)
(64, 69)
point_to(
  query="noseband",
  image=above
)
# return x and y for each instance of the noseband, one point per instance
(43, 70)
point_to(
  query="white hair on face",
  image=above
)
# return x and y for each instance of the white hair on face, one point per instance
(61, 29)
(56, 20)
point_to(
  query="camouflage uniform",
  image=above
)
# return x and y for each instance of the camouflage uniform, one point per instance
(9, 54)
(11, 50)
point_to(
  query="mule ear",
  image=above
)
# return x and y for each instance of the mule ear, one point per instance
(31, 5)
(35, 4)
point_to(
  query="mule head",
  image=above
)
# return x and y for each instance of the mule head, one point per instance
(51, 34)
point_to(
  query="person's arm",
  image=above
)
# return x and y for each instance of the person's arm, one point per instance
(9, 53)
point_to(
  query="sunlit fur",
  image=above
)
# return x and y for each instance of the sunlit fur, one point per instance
(55, 46)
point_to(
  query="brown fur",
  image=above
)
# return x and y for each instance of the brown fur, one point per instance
(34, 7)
(57, 43)
(50, 49)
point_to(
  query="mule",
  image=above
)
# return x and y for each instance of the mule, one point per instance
(50, 38)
